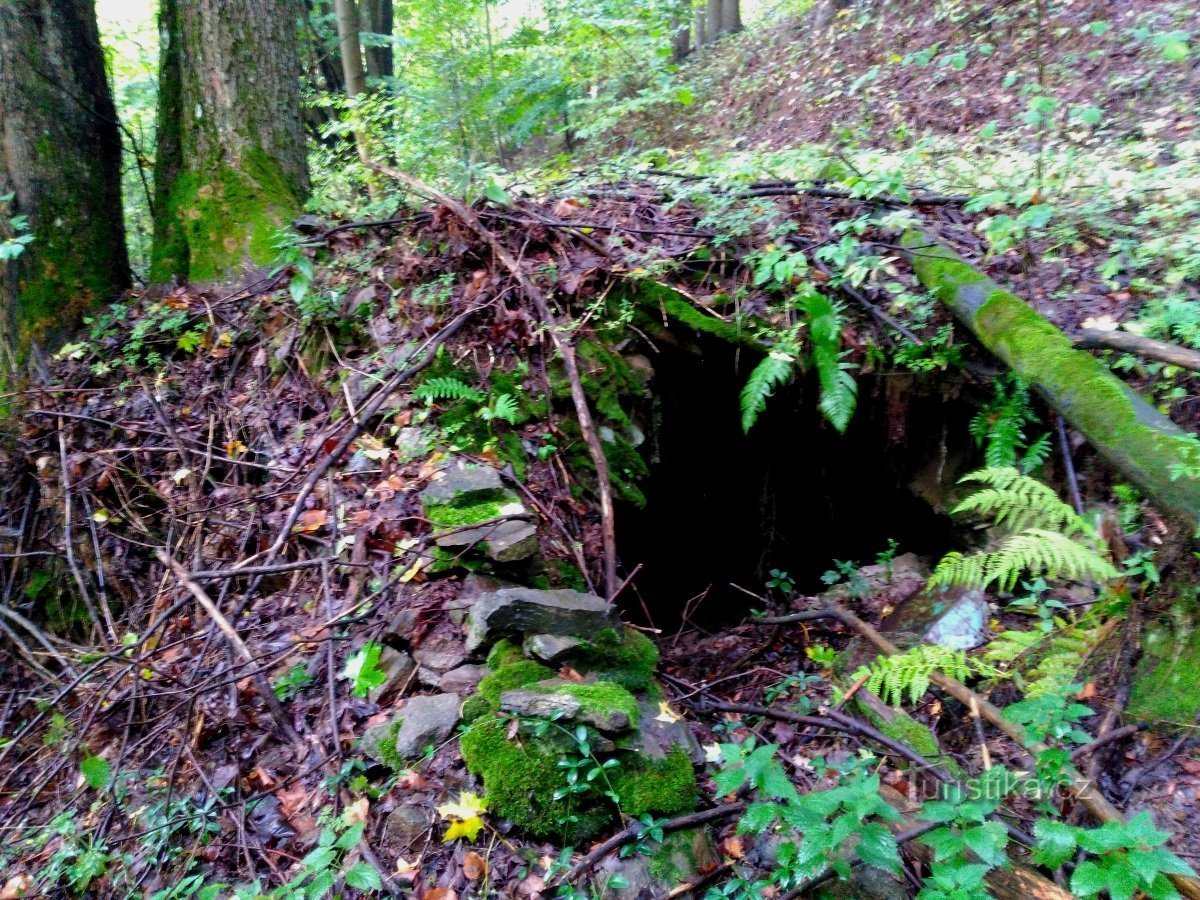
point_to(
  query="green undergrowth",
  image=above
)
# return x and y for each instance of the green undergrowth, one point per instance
(1166, 689)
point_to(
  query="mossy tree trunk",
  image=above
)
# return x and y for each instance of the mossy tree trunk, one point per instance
(1136, 439)
(60, 158)
(231, 155)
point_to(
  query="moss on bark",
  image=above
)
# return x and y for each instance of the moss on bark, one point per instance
(1138, 440)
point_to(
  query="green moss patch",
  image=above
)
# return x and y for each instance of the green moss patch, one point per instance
(478, 506)
(515, 675)
(663, 787)
(1167, 687)
(627, 658)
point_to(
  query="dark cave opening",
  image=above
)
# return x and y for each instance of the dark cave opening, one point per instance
(726, 507)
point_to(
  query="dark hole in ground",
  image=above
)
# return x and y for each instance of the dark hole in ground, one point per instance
(794, 495)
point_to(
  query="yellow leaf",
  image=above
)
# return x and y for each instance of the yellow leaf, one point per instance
(666, 714)
(469, 805)
(467, 828)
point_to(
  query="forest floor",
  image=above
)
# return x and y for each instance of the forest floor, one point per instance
(193, 420)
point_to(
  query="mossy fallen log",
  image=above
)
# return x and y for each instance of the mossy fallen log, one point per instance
(1135, 438)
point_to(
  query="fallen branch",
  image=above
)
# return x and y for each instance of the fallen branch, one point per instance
(634, 830)
(235, 641)
(565, 349)
(1128, 342)
(1139, 441)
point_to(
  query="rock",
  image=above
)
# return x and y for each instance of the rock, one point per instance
(682, 858)
(458, 479)
(397, 666)
(866, 883)
(603, 705)
(462, 680)
(549, 647)
(404, 625)
(563, 612)
(440, 655)
(428, 677)
(427, 720)
(404, 826)
(656, 737)
(374, 740)
(411, 442)
(953, 618)
(540, 705)
(513, 540)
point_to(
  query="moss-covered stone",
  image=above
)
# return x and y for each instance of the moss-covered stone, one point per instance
(662, 787)
(521, 776)
(515, 675)
(601, 703)
(478, 507)
(1166, 689)
(627, 658)
(505, 652)
(659, 298)
(1138, 440)
(904, 728)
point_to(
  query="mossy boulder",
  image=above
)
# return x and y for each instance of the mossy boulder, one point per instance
(524, 723)
(464, 494)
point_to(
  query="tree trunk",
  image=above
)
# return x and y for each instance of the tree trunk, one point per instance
(231, 155)
(824, 12)
(60, 156)
(350, 47)
(701, 29)
(378, 19)
(731, 16)
(1136, 439)
(712, 20)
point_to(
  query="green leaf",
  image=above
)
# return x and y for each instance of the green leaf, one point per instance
(684, 97)
(1056, 843)
(363, 877)
(987, 841)
(95, 771)
(1090, 879)
(876, 847)
(350, 837)
(497, 194)
(363, 669)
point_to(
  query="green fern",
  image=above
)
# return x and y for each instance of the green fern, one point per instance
(839, 392)
(775, 369)
(447, 388)
(1049, 661)
(1041, 541)
(503, 407)
(910, 673)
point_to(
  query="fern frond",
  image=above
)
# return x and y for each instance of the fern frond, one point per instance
(505, 407)
(909, 674)
(447, 388)
(1050, 554)
(775, 369)
(839, 392)
(1017, 501)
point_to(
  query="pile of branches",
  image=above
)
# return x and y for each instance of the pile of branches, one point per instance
(193, 505)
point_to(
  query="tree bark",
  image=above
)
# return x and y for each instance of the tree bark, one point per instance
(378, 19)
(1136, 439)
(701, 29)
(350, 47)
(1128, 342)
(231, 155)
(731, 16)
(825, 10)
(60, 157)
(712, 20)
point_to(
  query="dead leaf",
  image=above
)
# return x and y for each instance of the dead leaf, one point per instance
(310, 520)
(441, 893)
(357, 811)
(732, 847)
(1089, 691)
(569, 674)
(474, 866)
(20, 885)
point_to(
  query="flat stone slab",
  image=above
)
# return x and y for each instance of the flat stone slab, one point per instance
(954, 618)
(549, 647)
(556, 705)
(531, 611)
(460, 478)
(397, 666)
(427, 720)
